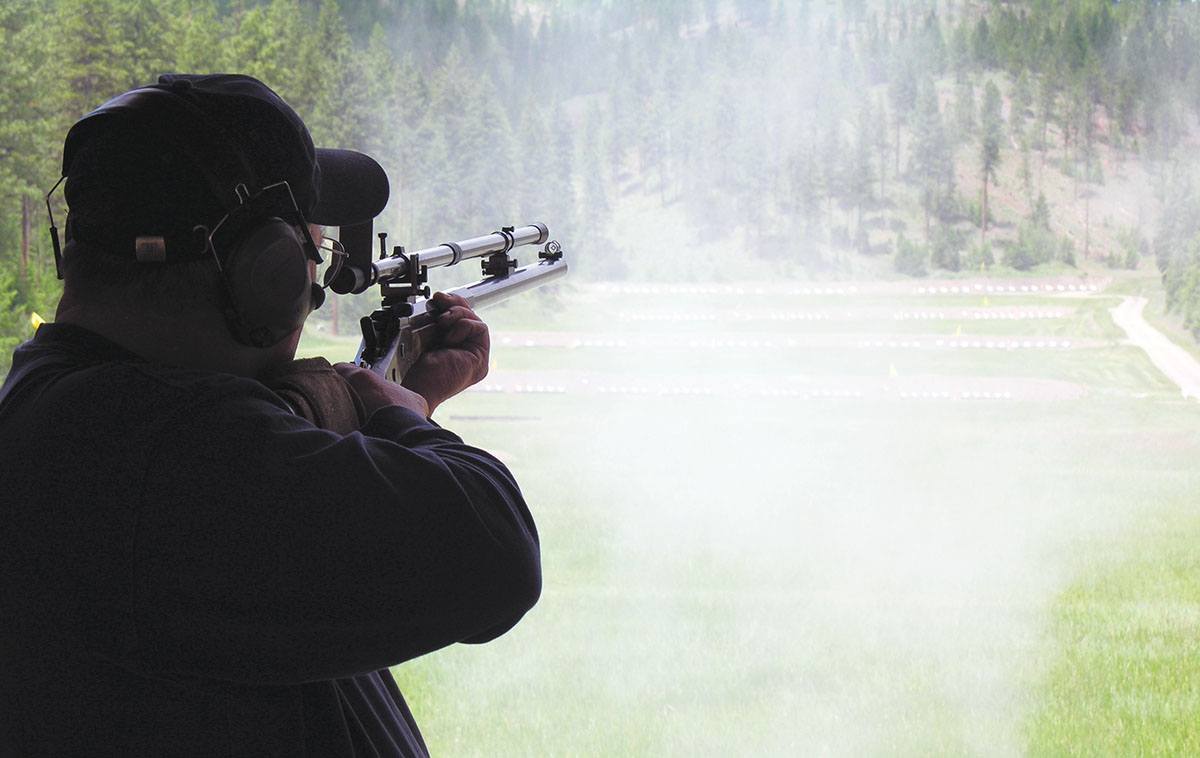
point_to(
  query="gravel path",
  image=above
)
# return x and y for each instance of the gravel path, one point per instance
(1179, 365)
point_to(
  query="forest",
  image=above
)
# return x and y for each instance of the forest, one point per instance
(800, 138)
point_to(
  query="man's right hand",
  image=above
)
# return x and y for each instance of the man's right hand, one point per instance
(377, 392)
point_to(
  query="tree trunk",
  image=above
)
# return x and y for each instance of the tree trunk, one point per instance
(897, 147)
(1086, 228)
(983, 214)
(882, 171)
(1087, 167)
(26, 232)
(1043, 144)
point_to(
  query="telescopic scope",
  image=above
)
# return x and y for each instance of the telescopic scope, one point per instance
(357, 274)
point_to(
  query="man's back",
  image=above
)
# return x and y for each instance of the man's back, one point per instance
(187, 568)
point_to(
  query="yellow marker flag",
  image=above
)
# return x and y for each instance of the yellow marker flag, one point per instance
(892, 370)
(985, 300)
(982, 266)
(35, 320)
(958, 331)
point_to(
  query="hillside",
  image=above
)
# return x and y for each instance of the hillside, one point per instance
(691, 140)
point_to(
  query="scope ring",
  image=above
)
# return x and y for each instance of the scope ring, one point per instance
(509, 238)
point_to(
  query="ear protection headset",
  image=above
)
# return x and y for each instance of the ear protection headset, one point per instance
(262, 246)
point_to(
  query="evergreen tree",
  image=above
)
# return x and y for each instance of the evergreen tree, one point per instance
(1047, 97)
(960, 51)
(535, 148)
(964, 109)
(594, 243)
(560, 207)
(910, 258)
(1022, 99)
(983, 47)
(1025, 171)
(860, 173)
(14, 320)
(929, 150)
(194, 31)
(944, 248)
(95, 54)
(880, 138)
(1040, 214)
(902, 91)
(28, 122)
(991, 129)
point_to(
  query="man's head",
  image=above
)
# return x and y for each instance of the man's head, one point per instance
(197, 191)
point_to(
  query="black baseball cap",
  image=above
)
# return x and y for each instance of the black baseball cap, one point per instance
(164, 159)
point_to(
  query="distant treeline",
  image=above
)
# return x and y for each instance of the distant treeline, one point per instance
(782, 125)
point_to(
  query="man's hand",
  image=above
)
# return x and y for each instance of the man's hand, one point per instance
(459, 358)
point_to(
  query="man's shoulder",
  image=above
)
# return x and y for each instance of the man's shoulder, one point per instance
(75, 369)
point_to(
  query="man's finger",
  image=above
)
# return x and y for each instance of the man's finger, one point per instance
(446, 300)
(465, 330)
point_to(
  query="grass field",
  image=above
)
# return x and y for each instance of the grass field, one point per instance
(743, 575)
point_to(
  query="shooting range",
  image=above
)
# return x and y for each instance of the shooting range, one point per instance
(865, 422)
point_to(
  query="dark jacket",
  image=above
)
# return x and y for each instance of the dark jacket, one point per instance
(189, 569)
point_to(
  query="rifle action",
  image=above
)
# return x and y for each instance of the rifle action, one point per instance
(395, 334)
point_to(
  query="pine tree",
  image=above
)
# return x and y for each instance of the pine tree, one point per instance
(14, 320)
(964, 109)
(560, 207)
(93, 55)
(860, 174)
(991, 129)
(1025, 171)
(193, 35)
(1047, 98)
(902, 91)
(535, 148)
(880, 137)
(29, 131)
(594, 241)
(929, 149)
(1022, 98)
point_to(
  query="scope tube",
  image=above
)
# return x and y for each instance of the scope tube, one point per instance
(450, 253)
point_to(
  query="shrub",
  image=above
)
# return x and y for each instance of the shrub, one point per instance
(910, 258)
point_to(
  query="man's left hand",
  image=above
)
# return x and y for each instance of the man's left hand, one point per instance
(460, 357)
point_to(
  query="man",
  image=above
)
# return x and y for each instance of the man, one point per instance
(187, 566)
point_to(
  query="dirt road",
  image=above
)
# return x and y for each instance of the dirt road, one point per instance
(1179, 366)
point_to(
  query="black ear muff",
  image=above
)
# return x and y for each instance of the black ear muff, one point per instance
(269, 283)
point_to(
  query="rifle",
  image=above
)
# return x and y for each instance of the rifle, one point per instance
(395, 334)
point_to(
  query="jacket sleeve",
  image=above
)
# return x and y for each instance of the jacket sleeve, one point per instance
(270, 551)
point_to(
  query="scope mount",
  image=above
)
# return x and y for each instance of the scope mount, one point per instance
(499, 265)
(399, 294)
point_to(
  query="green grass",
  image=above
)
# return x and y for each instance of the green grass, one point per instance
(1126, 674)
(766, 579)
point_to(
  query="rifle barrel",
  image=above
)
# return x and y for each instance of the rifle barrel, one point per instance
(493, 290)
